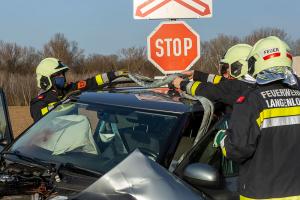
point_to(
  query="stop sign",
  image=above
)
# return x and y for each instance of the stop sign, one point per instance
(173, 47)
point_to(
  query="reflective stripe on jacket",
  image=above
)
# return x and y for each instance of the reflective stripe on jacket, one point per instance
(205, 77)
(226, 91)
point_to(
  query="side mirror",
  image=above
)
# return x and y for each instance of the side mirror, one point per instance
(202, 175)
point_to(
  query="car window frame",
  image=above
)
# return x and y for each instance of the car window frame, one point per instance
(8, 135)
(199, 147)
(228, 182)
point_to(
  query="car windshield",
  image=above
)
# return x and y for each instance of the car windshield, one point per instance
(96, 137)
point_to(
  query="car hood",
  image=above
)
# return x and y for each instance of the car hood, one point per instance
(136, 178)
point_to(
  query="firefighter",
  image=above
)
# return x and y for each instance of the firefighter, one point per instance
(226, 71)
(263, 134)
(51, 81)
(224, 89)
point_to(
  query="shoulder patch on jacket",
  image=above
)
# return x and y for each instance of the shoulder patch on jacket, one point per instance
(81, 84)
(37, 99)
(40, 97)
(241, 99)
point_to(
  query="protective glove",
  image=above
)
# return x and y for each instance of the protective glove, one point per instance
(219, 137)
(121, 73)
(189, 74)
(113, 75)
(176, 82)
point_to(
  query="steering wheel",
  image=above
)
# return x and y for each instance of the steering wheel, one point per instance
(150, 154)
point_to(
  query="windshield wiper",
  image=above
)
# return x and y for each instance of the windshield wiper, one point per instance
(45, 165)
(77, 169)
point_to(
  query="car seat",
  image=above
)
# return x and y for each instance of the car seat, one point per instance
(107, 137)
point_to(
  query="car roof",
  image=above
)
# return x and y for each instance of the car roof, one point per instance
(154, 99)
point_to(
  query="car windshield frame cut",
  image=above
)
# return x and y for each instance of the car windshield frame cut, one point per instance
(97, 137)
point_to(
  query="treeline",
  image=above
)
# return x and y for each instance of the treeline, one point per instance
(17, 63)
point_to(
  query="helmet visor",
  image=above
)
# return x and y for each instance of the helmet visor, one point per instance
(60, 65)
(61, 68)
(236, 68)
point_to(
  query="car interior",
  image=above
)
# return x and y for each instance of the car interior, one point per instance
(204, 152)
(97, 138)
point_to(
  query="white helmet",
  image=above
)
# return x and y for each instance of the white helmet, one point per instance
(268, 53)
(46, 69)
(235, 60)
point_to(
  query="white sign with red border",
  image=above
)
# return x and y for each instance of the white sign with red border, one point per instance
(172, 9)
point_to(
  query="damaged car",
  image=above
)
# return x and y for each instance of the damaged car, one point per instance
(89, 134)
(137, 177)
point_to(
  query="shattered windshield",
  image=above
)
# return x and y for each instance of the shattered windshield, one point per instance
(96, 137)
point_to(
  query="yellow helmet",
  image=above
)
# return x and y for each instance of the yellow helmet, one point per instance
(46, 69)
(235, 60)
(268, 53)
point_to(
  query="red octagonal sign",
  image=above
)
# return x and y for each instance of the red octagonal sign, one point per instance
(173, 47)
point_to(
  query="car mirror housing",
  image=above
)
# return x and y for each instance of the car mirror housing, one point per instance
(202, 175)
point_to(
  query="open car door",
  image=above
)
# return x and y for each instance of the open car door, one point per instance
(207, 170)
(6, 136)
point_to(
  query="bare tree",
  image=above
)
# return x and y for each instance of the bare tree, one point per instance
(133, 58)
(213, 51)
(296, 48)
(67, 51)
(9, 56)
(258, 34)
(101, 63)
(17, 59)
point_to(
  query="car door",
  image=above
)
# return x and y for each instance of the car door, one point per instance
(204, 152)
(6, 135)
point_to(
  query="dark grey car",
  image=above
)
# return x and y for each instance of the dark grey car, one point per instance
(89, 134)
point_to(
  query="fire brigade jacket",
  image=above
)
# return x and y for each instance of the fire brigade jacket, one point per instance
(205, 77)
(45, 101)
(224, 90)
(264, 138)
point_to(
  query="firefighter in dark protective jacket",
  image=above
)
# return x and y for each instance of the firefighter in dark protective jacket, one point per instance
(53, 86)
(232, 56)
(226, 88)
(263, 134)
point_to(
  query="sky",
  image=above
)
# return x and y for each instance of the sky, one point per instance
(106, 26)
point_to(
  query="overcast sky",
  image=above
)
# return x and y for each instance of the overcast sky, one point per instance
(106, 26)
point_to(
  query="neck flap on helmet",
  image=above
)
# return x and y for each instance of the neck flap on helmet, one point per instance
(275, 74)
